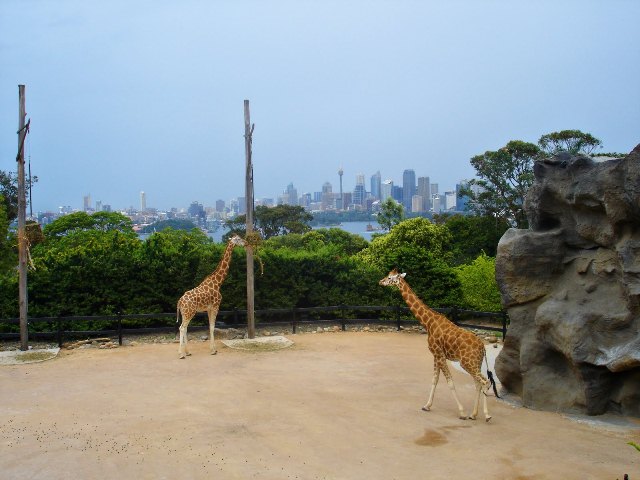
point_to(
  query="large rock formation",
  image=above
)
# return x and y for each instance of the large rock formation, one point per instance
(571, 286)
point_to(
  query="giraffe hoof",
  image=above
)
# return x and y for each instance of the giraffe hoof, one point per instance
(471, 417)
(464, 417)
(426, 409)
(188, 354)
(214, 352)
(181, 357)
(487, 419)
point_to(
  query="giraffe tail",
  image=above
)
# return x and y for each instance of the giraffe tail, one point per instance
(493, 383)
(490, 376)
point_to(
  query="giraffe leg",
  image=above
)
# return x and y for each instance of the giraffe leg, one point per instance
(183, 349)
(213, 313)
(486, 384)
(476, 403)
(452, 387)
(434, 384)
(481, 383)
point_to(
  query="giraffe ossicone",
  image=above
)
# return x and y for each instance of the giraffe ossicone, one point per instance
(446, 341)
(205, 297)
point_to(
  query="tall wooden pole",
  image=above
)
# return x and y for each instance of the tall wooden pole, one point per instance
(22, 213)
(248, 132)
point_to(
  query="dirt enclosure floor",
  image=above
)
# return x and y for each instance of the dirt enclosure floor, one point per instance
(333, 406)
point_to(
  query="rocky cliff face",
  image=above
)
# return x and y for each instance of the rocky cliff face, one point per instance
(571, 285)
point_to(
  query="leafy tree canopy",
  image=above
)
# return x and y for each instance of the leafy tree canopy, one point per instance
(572, 141)
(81, 221)
(479, 287)
(472, 235)
(505, 176)
(391, 213)
(9, 194)
(417, 234)
(7, 258)
(341, 242)
(174, 223)
(9, 190)
(273, 221)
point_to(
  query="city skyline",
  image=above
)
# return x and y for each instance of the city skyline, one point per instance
(124, 97)
(91, 203)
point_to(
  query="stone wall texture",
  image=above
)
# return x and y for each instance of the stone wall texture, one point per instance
(571, 286)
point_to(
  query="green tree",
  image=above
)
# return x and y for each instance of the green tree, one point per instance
(85, 272)
(170, 262)
(341, 242)
(505, 176)
(479, 287)
(7, 256)
(175, 223)
(472, 235)
(391, 213)
(81, 221)
(272, 221)
(9, 193)
(421, 249)
(572, 141)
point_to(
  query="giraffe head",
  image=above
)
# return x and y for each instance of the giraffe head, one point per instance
(393, 278)
(236, 240)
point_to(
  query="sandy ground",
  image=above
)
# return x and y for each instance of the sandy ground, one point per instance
(333, 406)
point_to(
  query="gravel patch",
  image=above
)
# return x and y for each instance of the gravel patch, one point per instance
(259, 344)
(18, 357)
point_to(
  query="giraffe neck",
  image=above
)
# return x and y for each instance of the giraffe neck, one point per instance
(425, 315)
(220, 273)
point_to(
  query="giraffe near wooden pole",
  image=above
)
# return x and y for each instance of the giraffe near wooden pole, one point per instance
(248, 133)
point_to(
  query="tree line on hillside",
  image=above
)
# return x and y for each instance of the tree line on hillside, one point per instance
(96, 264)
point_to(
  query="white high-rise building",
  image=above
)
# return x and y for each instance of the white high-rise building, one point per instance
(143, 202)
(385, 190)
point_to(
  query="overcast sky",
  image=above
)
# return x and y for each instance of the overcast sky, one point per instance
(130, 96)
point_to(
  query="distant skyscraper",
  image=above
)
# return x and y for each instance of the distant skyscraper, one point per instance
(292, 195)
(143, 202)
(417, 204)
(449, 201)
(220, 205)
(424, 190)
(376, 185)
(359, 192)
(396, 193)
(341, 199)
(327, 196)
(86, 202)
(385, 190)
(435, 201)
(408, 188)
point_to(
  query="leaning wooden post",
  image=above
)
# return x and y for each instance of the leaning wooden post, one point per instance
(22, 237)
(248, 132)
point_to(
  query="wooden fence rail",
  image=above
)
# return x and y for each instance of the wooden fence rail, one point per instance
(61, 328)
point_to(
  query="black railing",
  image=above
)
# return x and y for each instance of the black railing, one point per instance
(61, 328)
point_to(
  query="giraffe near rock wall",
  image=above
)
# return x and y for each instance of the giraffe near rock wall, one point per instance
(205, 297)
(446, 341)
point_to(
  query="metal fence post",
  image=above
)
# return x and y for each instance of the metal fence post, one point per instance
(119, 329)
(293, 319)
(59, 333)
